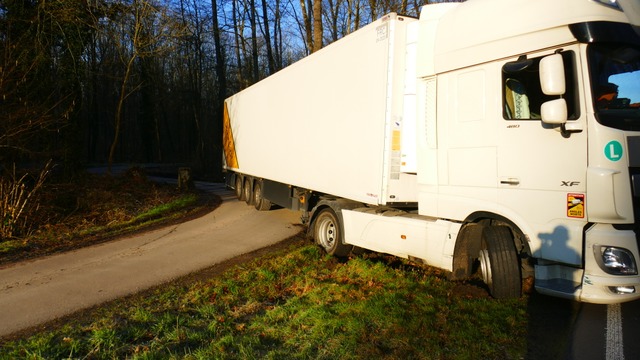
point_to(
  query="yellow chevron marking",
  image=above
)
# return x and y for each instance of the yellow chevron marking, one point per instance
(227, 141)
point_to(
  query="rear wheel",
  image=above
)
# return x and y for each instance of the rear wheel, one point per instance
(246, 192)
(327, 233)
(239, 191)
(259, 201)
(499, 264)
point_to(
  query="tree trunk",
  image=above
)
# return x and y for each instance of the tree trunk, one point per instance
(317, 25)
(267, 35)
(118, 116)
(220, 96)
(277, 37)
(254, 42)
(238, 40)
(308, 32)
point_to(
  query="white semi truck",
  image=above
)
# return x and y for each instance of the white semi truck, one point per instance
(493, 136)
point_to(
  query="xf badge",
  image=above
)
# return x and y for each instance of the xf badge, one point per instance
(570, 183)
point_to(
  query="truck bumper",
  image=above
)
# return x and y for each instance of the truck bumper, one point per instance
(599, 284)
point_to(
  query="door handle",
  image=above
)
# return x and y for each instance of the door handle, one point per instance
(510, 181)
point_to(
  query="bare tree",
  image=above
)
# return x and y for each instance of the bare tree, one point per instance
(353, 16)
(239, 40)
(277, 36)
(307, 15)
(40, 50)
(267, 35)
(333, 15)
(221, 94)
(312, 24)
(254, 41)
(145, 29)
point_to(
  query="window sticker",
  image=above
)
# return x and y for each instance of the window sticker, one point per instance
(575, 205)
(613, 150)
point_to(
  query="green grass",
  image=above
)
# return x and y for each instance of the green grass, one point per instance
(163, 209)
(11, 245)
(295, 304)
(161, 212)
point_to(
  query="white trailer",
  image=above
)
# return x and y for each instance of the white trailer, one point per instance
(333, 116)
(476, 138)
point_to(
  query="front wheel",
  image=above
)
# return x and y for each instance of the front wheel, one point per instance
(328, 234)
(499, 264)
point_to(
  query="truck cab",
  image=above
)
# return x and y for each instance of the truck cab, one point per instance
(534, 123)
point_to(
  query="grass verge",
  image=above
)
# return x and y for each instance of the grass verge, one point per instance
(296, 303)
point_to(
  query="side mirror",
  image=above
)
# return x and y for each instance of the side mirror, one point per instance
(552, 83)
(554, 111)
(552, 79)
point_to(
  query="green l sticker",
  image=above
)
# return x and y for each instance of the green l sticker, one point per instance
(613, 150)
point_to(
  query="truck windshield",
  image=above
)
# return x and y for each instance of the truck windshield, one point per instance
(615, 74)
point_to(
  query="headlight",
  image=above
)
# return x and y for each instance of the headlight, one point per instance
(611, 3)
(615, 261)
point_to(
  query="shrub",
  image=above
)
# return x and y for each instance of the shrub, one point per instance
(18, 201)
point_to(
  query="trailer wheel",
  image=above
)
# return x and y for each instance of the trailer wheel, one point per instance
(259, 201)
(499, 264)
(246, 192)
(328, 234)
(239, 191)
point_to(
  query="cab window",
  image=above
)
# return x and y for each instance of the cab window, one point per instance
(615, 78)
(522, 95)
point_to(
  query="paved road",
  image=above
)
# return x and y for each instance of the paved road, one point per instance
(569, 330)
(607, 332)
(35, 292)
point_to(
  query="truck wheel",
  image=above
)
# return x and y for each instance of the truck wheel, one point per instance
(259, 201)
(239, 191)
(246, 192)
(499, 263)
(327, 233)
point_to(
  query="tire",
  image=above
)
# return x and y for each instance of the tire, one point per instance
(239, 189)
(327, 233)
(499, 265)
(246, 192)
(259, 201)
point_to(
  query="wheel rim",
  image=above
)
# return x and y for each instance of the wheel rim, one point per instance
(326, 232)
(485, 266)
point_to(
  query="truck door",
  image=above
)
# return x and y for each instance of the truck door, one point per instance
(541, 166)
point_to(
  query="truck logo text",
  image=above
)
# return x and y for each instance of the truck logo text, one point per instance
(570, 183)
